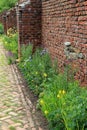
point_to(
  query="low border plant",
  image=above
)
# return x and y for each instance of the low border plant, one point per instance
(61, 99)
(10, 42)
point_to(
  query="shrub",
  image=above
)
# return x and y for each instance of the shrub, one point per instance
(10, 42)
(35, 68)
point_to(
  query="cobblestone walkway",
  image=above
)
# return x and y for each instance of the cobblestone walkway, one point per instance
(16, 110)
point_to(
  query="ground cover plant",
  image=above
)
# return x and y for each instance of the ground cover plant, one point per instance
(10, 42)
(61, 99)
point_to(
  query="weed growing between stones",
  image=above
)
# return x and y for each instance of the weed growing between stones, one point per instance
(12, 128)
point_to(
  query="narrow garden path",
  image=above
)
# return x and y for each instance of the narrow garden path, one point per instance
(16, 109)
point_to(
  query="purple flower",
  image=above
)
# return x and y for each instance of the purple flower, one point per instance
(9, 54)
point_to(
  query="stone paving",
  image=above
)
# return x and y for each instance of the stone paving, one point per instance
(16, 110)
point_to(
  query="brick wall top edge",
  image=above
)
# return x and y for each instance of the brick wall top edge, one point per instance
(21, 1)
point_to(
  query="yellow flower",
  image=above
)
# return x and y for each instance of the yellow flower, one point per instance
(60, 91)
(63, 92)
(45, 75)
(18, 60)
(58, 96)
(46, 112)
(41, 102)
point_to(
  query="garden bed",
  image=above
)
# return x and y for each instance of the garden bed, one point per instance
(62, 101)
(31, 97)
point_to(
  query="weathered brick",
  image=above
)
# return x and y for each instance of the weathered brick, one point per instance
(65, 21)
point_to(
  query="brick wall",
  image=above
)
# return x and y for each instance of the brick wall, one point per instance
(11, 20)
(30, 22)
(8, 19)
(66, 21)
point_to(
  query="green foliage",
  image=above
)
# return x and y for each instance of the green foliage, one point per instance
(12, 128)
(61, 99)
(65, 107)
(11, 45)
(1, 29)
(7, 4)
(35, 68)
